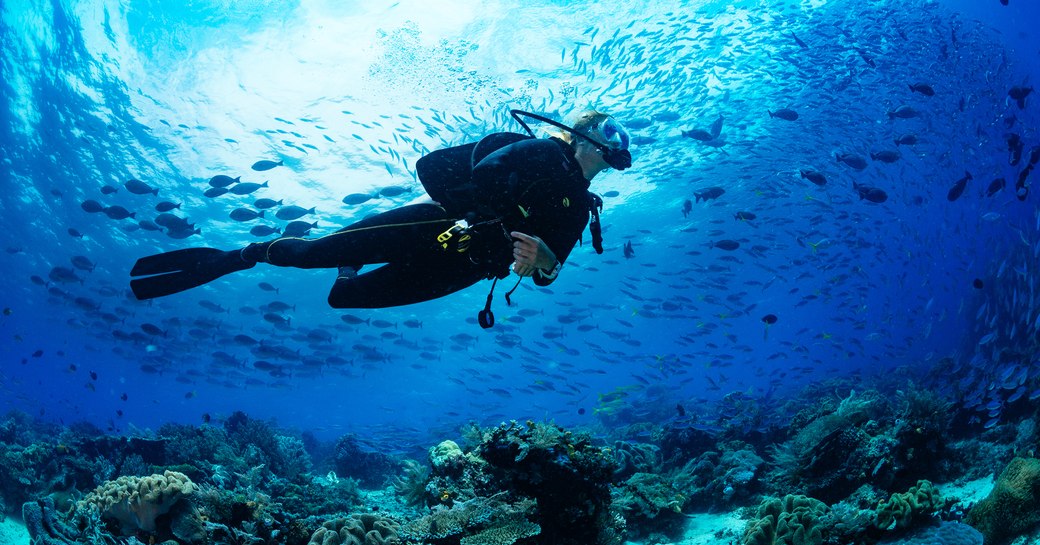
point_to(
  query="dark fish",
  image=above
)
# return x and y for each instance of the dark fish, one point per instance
(869, 193)
(995, 186)
(629, 251)
(245, 214)
(977, 284)
(886, 156)
(152, 329)
(353, 320)
(708, 193)
(263, 231)
(902, 112)
(215, 192)
(1019, 94)
(866, 58)
(172, 221)
(264, 204)
(221, 180)
(246, 188)
(798, 41)
(137, 187)
(611, 194)
(108, 190)
(687, 207)
(786, 114)
(298, 229)
(266, 286)
(922, 88)
(74, 233)
(1021, 188)
(182, 233)
(1015, 148)
(292, 212)
(716, 127)
(83, 263)
(854, 161)
(261, 166)
(118, 212)
(769, 319)
(813, 176)
(728, 245)
(356, 198)
(745, 216)
(698, 134)
(958, 188)
(906, 140)
(166, 206)
(91, 206)
(393, 191)
(64, 275)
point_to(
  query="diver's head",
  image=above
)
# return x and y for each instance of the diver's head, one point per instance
(613, 140)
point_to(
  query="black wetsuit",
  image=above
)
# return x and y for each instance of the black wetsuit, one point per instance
(534, 186)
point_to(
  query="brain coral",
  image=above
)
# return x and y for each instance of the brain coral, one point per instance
(1014, 504)
(135, 502)
(363, 529)
(788, 521)
(901, 509)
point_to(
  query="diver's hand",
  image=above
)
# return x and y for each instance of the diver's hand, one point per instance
(530, 254)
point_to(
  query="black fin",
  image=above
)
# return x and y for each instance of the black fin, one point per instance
(181, 270)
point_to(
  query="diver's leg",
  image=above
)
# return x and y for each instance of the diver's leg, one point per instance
(397, 235)
(398, 284)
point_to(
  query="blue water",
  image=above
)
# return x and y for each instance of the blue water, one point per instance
(866, 294)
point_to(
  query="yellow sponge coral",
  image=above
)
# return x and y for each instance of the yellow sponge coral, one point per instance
(135, 502)
(901, 509)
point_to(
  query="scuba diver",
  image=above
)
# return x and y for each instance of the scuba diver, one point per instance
(509, 200)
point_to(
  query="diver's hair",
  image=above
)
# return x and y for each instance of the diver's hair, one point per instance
(584, 122)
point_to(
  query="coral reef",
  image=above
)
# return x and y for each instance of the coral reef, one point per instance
(565, 473)
(902, 509)
(135, 502)
(717, 479)
(359, 529)
(632, 458)
(1014, 504)
(371, 469)
(493, 518)
(651, 505)
(791, 520)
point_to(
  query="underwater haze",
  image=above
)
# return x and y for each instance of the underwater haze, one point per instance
(828, 197)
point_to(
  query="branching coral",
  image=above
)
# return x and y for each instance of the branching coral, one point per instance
(135, 502)
(472, 517)
(411, 485)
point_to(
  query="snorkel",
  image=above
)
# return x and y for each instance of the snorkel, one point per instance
(618, 158)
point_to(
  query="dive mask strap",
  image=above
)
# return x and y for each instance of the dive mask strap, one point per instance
(618, 159)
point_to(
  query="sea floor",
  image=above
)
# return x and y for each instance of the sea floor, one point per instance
(716, 528)
(13, 533)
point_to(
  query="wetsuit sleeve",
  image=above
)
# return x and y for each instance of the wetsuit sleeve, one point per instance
(560, 237)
